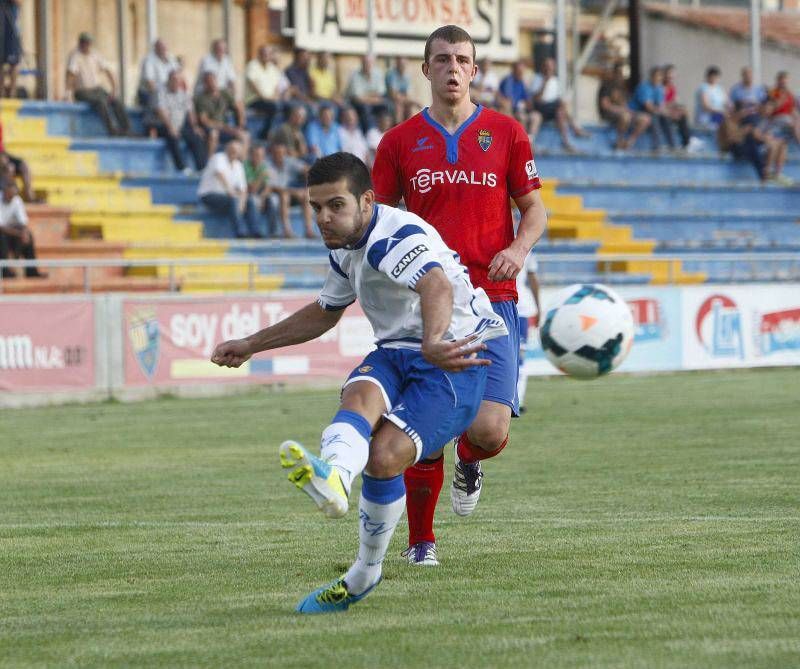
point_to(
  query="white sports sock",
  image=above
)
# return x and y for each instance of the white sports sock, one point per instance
(346, 449)
(377, 523)
(522, 386)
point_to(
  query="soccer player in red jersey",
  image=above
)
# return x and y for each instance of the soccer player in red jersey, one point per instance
(457, 165)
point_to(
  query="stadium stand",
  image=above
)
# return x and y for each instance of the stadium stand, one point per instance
(121, 197)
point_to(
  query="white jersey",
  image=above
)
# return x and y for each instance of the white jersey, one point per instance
(383, 268)
(526, 305)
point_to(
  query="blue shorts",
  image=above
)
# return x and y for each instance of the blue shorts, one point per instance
(430, 405)
(501, 381)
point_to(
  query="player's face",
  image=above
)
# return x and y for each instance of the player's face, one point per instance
(450, 70)
(341, 219)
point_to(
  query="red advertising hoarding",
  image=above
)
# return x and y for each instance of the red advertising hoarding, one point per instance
(46, 345)
(170, 342)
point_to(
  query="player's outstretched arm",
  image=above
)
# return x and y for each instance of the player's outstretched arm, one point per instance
(507, 264)
(304, 325)
(436, 298)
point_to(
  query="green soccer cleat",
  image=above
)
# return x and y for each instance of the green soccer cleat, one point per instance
(315, 477)
(332, 598)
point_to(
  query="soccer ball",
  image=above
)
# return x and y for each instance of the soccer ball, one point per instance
(587, 330)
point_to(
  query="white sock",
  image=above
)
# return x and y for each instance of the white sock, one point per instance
(346, 449)
(377, 523)
(522, 386)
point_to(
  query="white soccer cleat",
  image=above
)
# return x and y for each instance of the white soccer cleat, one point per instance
(465, 491)
(421, 554)
(315, 477)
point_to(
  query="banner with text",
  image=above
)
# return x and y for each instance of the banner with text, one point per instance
(46, 346)
(170, 342)
(402, 26)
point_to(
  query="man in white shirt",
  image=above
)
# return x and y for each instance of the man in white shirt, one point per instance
(220, 63)
(547, 101)
(265, 87)
(285, 174)
(421, 386)
(351, 135)
(366, 92)
(223, 187)
(15, 236)
(156, 68)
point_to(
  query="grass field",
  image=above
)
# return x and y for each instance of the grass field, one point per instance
(632, 522)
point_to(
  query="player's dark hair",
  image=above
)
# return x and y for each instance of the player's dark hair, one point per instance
(451, 35)
(338, 166)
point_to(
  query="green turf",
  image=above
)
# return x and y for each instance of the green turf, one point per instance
(632, 522)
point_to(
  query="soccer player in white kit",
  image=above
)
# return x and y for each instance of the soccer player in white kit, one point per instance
(529, 308)
(420, 388)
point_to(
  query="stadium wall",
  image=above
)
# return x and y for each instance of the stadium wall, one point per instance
(66, 349)
(693, 48)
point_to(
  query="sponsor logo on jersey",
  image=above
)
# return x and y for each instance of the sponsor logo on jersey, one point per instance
(484, 139)
(719, 327)
(364, 369)
(407, 259)
(647, 319)
(530, 169)
(144, 335)
(422, 145)
(778, 331)
(424, 180)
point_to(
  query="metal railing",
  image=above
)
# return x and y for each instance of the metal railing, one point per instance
(784, 266)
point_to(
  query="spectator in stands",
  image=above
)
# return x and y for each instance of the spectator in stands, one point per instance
(366, 92)
(485, 85)
(213, 106)
(15, 235)
(291, 133)
(748, 97)
(398, 85)
(286, 177)
(223, 186)
(155, 70)
(782, 107)
(219, 63)
(612, 107)
(351, 135)
(18, 167)
(173, 118)
(676, 112)
(513, 95)
(85, 68)
(266, 87)
(323, 135)
(258, 212)
(300, 87)
(711, 101)
(375, 135)
(648, 98)
(323, 80)
(547, 102)
(10, 47)
(767, 154)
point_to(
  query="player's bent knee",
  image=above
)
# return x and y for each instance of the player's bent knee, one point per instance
(490, 435)
(384, 463)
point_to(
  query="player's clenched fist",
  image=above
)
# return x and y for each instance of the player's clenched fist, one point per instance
(506, 264)
(232, 353)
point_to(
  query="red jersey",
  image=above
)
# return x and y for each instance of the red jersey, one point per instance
(461, 184)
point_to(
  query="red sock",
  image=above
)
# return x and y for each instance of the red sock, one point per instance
(469, 452)
(423, 485)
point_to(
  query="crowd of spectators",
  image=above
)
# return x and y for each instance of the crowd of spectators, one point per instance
(754, 123)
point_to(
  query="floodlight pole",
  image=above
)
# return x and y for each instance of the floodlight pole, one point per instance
(561, 42)
(755, 40)
(121, 47)
(370, 29)
(43, 49)
(152, 22)
(226, 21)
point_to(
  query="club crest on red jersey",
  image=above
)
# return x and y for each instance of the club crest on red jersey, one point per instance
(484, 139)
